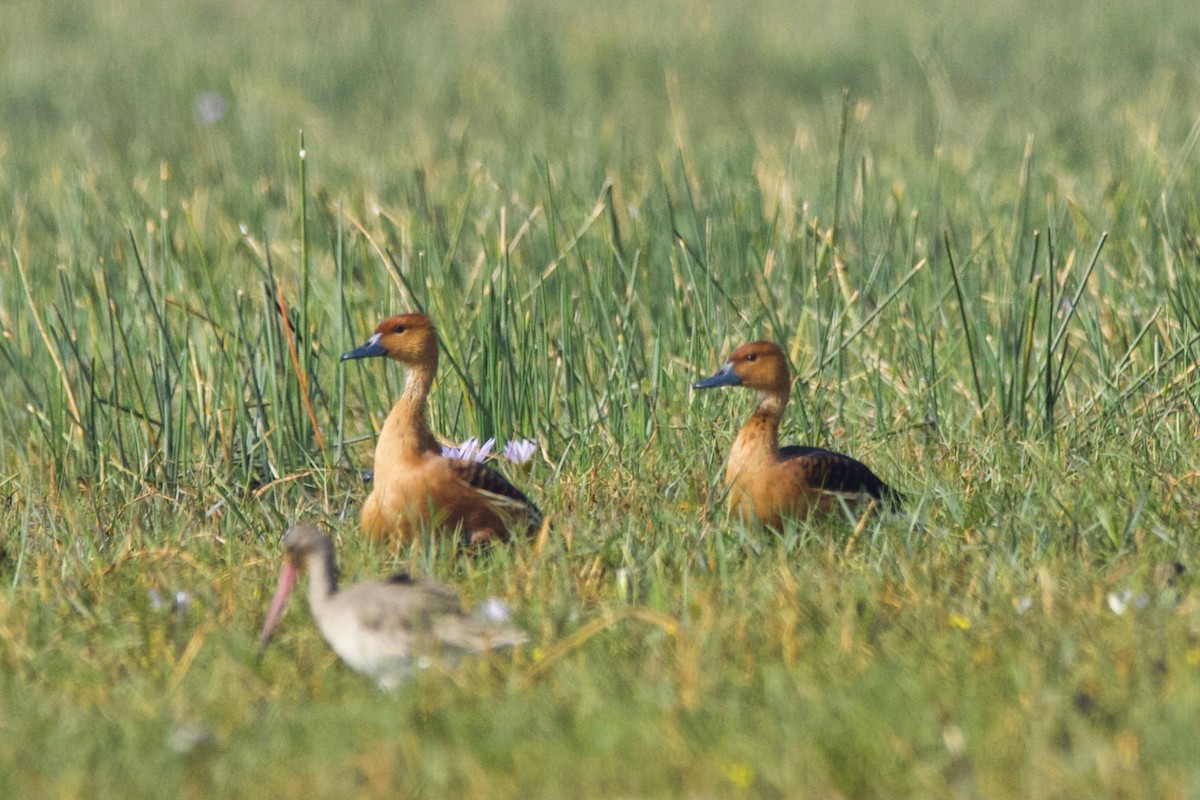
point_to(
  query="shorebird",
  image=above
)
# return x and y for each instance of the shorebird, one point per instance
(383, 629)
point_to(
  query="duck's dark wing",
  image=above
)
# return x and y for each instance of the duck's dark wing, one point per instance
(497, 488)
(795, 450)
(841, 474)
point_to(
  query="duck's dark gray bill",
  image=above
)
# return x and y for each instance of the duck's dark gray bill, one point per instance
(725, 377)
(371, 349)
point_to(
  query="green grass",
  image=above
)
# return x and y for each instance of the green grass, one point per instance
(975, 234)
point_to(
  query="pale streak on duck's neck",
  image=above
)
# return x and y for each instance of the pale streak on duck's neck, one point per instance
(405, 434)
(322, 577)
(759, 437)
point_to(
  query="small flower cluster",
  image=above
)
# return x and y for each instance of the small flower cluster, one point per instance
(493, 610)
(1120, 602)
(181, 601)
(518, 451)
(210, 107)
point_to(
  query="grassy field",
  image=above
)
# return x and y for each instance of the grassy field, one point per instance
(976, 233)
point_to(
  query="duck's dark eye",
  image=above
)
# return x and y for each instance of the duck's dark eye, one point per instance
(398, 329)
(752, 357)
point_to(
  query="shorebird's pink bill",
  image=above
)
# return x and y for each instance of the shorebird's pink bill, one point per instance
(287, 580)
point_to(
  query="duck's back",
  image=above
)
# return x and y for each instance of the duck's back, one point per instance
(804, 480)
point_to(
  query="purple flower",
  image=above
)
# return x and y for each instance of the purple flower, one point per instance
(1119, 602)
(210, 107)
(180, 602)
(519, 451)
(493, 610)
(470, 450)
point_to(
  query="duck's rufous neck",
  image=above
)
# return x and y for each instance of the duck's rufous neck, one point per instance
(405, 435)
(759, 437)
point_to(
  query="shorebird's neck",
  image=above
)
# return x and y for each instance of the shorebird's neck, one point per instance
(322, 578)
(405, 435)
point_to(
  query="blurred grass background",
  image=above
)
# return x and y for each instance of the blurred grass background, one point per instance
(974, 231)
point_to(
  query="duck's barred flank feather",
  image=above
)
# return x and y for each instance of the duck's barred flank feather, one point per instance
(836, 472)
(480, 476)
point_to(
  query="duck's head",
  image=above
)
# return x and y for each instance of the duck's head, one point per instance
(759, 365)
(300, 543)
(407, 338)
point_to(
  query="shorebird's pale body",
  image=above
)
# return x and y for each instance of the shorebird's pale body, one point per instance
(383, 629)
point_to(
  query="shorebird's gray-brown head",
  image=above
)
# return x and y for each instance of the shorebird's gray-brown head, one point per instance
(301, 541)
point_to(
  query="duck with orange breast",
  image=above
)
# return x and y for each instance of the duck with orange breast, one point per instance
(770, 483)
(415, 487)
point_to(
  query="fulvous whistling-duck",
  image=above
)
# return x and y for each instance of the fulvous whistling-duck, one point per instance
(383, 629)
(414, 484)
(770, 483)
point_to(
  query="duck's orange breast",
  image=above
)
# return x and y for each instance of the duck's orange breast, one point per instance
(776, 490)
(439, 492)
